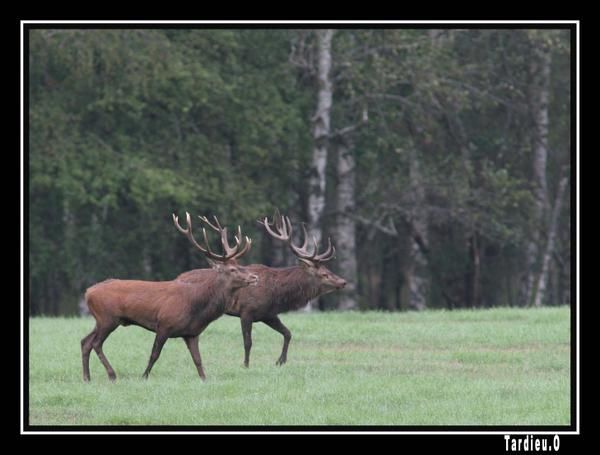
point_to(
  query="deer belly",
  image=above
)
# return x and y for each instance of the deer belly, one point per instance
(144, 324)
(135, 314)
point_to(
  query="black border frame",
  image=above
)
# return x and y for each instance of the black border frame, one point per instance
(565, 431)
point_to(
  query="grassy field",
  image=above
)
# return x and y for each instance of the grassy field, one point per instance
(487, 367)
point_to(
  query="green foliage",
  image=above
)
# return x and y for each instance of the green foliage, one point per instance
(129, 126)
(456, 103)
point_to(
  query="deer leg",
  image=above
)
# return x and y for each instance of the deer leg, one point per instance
(247, 334)
(86, 348)
(276, 324)
(101, 334)
(159, 342)
(192, 344)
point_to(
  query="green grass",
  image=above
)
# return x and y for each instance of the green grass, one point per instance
(488, 367)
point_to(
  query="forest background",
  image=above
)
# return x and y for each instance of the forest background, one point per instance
(437, 160)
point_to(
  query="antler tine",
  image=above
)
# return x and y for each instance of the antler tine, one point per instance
(288, 225)
(244, 250)
(188, 232)
(278, 235)
(305, 244)
(283, 226)
(176, 222)
(211, 253)
(217, 221)
(230, 252)
(235, 252)
(328, 254)
(302, 252)
(217, 228)
(316, 247)
(278, 220)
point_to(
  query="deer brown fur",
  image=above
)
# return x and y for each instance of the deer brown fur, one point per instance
(279, 289)
(171, 309)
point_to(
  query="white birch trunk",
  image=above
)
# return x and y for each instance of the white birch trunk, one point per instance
(416, 271)
(542, 283)
(321, 129)
(345, 231)
(538, 101)
(413, 274)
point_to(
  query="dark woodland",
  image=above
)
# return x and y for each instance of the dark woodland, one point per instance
(438, 161)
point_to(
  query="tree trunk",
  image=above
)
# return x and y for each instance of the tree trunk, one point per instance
(321, 129)
(539, 89)
(541, 288)
(416, 274)
(345, 229)
(374, 274)
(414, 279)
(473, 274)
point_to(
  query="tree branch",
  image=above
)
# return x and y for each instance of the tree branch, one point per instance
(389, 229)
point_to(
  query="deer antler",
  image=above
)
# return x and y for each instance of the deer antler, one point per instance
(223, 232)
(283, 231)
(231, 253)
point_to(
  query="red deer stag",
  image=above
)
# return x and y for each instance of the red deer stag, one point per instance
(171, 309)
(279, 289)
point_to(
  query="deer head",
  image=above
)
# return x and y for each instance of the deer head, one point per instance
(281, 228)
